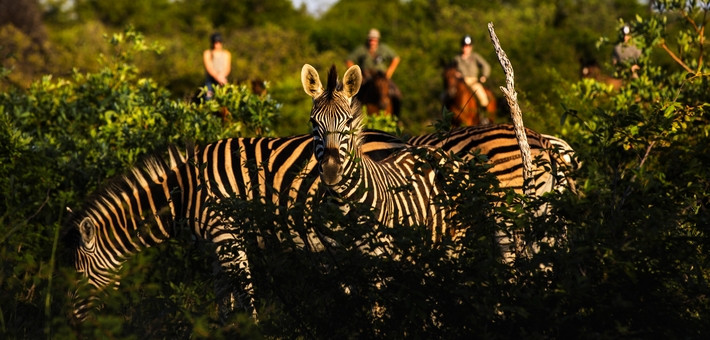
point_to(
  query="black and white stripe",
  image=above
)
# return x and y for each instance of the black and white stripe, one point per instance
(553, 161)
(145, 207)
(400, 188)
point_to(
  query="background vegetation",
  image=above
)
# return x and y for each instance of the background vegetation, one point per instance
(83, 99)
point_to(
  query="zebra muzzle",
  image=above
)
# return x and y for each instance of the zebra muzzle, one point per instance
(330, 167)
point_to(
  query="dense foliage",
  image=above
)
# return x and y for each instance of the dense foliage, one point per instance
(632, 253)
(270, 40)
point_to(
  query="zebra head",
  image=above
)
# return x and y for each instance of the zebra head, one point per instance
(134, 213)
(336, 119)
(93, 264)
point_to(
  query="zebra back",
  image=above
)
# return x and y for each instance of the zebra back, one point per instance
(499, 144)
(553, 161)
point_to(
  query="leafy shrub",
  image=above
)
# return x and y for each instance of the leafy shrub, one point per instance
(62, 139)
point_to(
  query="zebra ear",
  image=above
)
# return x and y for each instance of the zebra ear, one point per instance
(311, 81)
(87, 229)
(352, 81)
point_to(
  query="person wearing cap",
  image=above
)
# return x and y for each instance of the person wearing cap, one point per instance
(473, 69)
(374, 56)
(217, 61)
(625, 52)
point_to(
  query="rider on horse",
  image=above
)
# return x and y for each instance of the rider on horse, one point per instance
(376, 58)
(473, 69)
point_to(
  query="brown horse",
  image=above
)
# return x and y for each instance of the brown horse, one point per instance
(378, 94)
(591, 69)
(462, 102)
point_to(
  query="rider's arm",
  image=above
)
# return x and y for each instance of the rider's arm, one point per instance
(392, 67)
(485, 68)
(227, 67)
(355, 57)
(207, 60)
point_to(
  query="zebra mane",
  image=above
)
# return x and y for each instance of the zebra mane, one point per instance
(333, 83)
(153, 169)
(358, 122)
(150, 171)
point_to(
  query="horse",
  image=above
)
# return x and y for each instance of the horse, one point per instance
(462, 102)
(377, 94)
(591, 69)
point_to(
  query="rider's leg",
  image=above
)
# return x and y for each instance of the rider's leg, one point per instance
(480, 94)
(478, 89)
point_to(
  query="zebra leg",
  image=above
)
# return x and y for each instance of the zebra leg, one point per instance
(505, 242)
(233, 262)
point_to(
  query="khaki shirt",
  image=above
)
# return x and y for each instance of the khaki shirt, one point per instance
(473, 67)
(626, 53)
(379, 62)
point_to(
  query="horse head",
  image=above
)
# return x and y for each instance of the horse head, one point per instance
(451, 80)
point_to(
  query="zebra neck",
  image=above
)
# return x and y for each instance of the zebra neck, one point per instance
(162, 206)
(353, 179)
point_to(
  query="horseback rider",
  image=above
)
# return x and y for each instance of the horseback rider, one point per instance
(473, 69)
(625, 52)
(217, 61)
(374, 57)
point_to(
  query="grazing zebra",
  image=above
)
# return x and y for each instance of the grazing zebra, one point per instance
(401, 189)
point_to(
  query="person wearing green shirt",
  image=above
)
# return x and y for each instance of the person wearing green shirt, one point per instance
(375, 57)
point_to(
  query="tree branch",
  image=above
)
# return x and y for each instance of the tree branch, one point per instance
(512, 97)
(675, 57)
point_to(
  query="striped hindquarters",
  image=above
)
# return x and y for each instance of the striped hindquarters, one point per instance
(499, 144)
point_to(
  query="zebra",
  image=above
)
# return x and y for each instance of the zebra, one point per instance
(148, 205)
(144, 208)
(402, 189)
(555, 161)
(337, 121)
